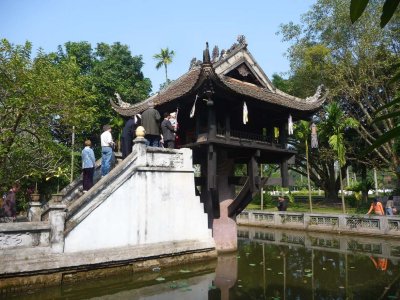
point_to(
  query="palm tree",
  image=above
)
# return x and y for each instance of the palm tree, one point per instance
(164, 58)
(338, 123)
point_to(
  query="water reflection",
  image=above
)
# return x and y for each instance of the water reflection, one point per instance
(297, 265)
(270, 264)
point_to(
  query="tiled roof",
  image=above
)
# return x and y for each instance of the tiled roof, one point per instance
(279, 98)
(178, 88)
(184, 85)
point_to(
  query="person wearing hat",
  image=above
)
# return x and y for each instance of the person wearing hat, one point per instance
(150, 121)
(107, 144)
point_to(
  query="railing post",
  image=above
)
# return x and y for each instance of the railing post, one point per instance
(384, 224)
(57, 216)
(139, 146)
(35, 211)
(342, 222)
(306, 220)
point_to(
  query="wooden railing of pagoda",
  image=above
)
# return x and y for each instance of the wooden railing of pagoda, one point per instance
(241, 135)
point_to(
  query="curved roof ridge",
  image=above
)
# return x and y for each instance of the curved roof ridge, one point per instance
(175, 89)
(281, 99)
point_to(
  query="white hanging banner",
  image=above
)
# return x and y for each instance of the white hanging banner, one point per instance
(290, 125)
(137, 117)
(314, 137)
(193, 107)
(245, 113)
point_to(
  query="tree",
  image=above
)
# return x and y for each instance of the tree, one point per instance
(108, 69)
(164, 58)
(357, 66)
(38, 97)
(337, 122)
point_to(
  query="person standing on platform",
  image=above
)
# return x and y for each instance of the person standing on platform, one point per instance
(174, 121)
(88, 165)
(10, 204)
(107, 145)
(150, 121)
(168, 132)
(127, 136)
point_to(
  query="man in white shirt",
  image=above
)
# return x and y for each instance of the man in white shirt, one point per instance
(106, 149)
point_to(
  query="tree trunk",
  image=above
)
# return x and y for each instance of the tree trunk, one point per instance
(364, 188)
(397, 181)
(331, 190)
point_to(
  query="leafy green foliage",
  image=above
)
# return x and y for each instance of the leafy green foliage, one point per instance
(356, 63)
(37, 97)
(357, 8)
(42, 98)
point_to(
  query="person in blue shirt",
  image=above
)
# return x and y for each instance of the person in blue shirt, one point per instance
(88, 165)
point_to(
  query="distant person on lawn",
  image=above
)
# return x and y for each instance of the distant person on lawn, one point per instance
(282, 205)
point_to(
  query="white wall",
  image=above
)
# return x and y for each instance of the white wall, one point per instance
(157, 203)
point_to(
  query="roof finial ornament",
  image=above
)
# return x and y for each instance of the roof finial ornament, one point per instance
(194, 63)
(120, 102)
(215, 54)
(206, 55)
(241, 40)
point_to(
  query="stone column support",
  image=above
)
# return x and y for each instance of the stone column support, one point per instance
(35, 211)
(139, 145)
(57, 216)
(224, 227)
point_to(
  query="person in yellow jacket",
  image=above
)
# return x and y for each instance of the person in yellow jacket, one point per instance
(377, 207)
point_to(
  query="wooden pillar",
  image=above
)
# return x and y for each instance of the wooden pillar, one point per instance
(228, 126)
(212, 124)
(285, 173)
(212, 186)
(253, 173)
(197, 128)
(283, 135)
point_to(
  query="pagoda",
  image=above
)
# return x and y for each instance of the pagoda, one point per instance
(230, 114)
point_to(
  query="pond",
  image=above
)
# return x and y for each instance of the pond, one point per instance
(269, 264)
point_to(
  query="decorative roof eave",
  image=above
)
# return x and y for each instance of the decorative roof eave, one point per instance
(176, 89)
(279, 98)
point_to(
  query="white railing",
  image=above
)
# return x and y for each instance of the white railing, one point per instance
(362, 224)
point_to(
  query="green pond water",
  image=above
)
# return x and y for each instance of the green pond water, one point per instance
(269, 264)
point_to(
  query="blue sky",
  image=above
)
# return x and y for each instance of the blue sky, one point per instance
(146, 26)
